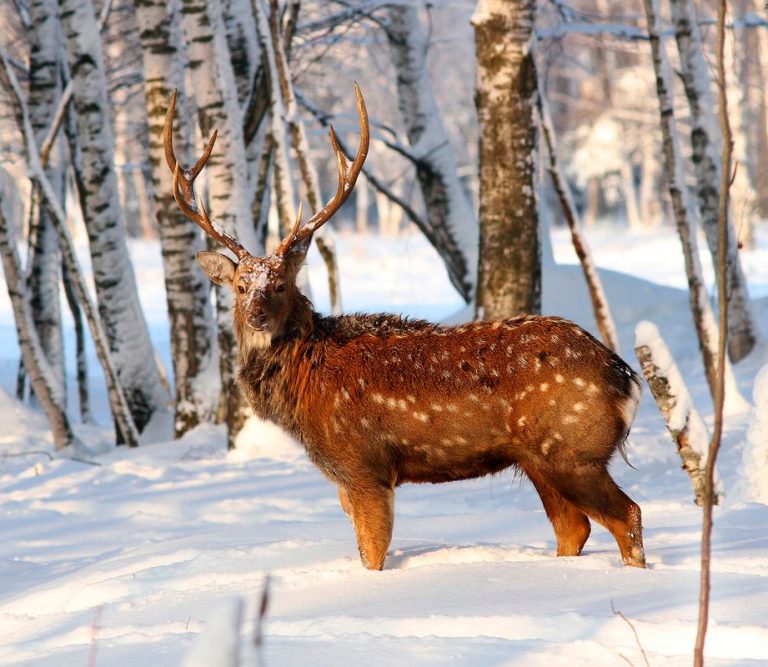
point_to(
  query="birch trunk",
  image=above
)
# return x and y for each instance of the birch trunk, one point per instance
(449, 212)
(683, 421)
(509, 279)
(215, 91)
(119, 306)
(187, 290)
(685, 218)
(49, 392)
(117, 399)
(705, 139)
(301, 147)
(43, 262)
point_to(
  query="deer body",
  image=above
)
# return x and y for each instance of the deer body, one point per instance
(378, 400)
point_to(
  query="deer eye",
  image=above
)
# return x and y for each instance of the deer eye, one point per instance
(280, 287)
(241, 289)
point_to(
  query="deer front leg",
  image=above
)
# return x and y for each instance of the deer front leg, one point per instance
(372, 512)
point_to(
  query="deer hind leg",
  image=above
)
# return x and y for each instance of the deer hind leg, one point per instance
(571, 525)
(592, 490)
(372, 512)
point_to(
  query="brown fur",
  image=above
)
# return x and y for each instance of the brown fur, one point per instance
(379, 400)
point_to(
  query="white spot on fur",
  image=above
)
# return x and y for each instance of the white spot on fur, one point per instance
(546, 445)
(579, 382)
(474, 397)
(570, 419)
(436, 407)
(522, 361)
(544, 386)
(364, 422)
(452, 408)
(411, 398)
(421, 416)
(346, 395)
(559, 378)
(391, 403)
(537, 364)
(579, 407)
(402, 404)
(378, 398)
(460, 440)
(592, 388)
(521, 421)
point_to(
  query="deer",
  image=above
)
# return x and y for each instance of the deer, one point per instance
(379, 400)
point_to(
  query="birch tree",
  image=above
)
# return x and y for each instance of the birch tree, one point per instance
(43, 261)
(117, 399)
(509, 277)
(48, 390)
(705, 139)
(115, 282)
(187, 290)
(216, 99)
(449, 212)
(685, 218)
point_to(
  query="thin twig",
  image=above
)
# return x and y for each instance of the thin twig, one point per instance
(634, 632)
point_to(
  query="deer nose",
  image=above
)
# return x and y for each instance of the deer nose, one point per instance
(257, 319)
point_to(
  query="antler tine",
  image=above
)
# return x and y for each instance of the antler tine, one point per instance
(347, 176)
(183, 181)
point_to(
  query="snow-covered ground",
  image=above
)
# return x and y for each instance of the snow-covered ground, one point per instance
(129, 558)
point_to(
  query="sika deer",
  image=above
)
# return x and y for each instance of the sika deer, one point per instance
(380, 400)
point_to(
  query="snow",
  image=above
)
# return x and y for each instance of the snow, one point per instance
(168, 538)
(755, 462)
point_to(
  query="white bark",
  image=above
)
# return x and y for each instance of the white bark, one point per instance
(118, 403)
(43, 262)
(115, 282)
(48, 390)
(215, 93)
(450, 215)
(685, 220)
(705, 141)
(300, 145)
(187, 290)
(683, 421)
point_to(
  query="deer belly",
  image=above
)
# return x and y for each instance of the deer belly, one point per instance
(454, 446)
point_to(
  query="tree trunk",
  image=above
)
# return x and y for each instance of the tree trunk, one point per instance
(705, 139)
(449, 212)
(187, 290)
(117, 399)
(49, 392)
(216, 97)
(43, 262)
(118, 299)
(683, 421)
(509, 280)
(685, 216)
(603, 317)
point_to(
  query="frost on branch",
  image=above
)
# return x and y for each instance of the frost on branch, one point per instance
(756, 452)
(671, 394)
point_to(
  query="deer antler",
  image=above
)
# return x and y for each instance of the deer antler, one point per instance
(183, 181)
(347, 176)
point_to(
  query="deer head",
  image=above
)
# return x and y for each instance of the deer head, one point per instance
(264, 288)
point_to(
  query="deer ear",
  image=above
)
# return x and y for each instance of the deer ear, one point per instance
(219, 268)
(298, 253)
